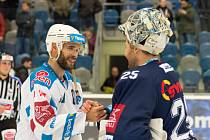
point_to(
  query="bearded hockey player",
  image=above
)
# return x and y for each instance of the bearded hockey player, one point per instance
(51, 100)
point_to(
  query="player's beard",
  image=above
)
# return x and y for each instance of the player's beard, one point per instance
(62, 62)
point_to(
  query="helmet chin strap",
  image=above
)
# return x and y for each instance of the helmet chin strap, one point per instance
(73, 76)
(75, 87)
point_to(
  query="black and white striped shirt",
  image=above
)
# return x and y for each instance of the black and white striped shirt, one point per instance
(10, 91)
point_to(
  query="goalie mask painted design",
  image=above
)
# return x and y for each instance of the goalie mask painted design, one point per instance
(148, 25)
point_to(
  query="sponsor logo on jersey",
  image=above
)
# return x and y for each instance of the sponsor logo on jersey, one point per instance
(43, 112)
(169, 90)
(114, 118)
(9, 134)
(42, 77)
(68, 128)
(8, 107)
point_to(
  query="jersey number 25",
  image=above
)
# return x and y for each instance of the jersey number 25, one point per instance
(130, 75)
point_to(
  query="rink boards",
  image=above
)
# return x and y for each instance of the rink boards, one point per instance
(198, 110)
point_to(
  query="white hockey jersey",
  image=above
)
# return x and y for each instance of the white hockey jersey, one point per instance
(49, 107)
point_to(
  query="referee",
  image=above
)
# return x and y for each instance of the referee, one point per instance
(9, 95)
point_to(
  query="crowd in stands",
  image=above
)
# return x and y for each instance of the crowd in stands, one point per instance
(164, 8)
(24, 25)
(185, 17)
(190, 24)
(25, 21)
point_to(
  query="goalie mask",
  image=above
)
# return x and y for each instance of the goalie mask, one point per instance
(150, 26)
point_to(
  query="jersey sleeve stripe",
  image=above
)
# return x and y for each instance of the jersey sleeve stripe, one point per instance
(47, 137)
(52, 103)
(68, 128)
(28, 111)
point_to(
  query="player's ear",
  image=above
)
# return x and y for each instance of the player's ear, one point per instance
(136, 50)
(54, 50)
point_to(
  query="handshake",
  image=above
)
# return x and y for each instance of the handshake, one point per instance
(95, 111)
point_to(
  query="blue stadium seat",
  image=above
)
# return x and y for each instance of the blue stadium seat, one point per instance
(130, 5)
(42, 15)
(206, 81)
(138, 1)
(204, 49)
(84, 75)
(189, 62)
(188, 48)
(171, 49)
(175, 4)
(129, 1)
(205, 63)
(84, 61)
(170, 59)
(111, 18)
(145, 4)
(37, 61)
(204, 37)
(191, 79)
(193, 2)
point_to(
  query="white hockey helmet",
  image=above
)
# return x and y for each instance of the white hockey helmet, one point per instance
(6, 57)
(59, 33)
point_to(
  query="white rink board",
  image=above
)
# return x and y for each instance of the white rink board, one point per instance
(198, 110)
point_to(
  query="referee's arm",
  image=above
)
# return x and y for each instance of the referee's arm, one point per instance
(17, 102)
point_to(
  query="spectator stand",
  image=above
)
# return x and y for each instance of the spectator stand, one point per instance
(112, 17)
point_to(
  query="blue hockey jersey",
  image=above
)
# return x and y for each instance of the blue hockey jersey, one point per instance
(147, 92)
